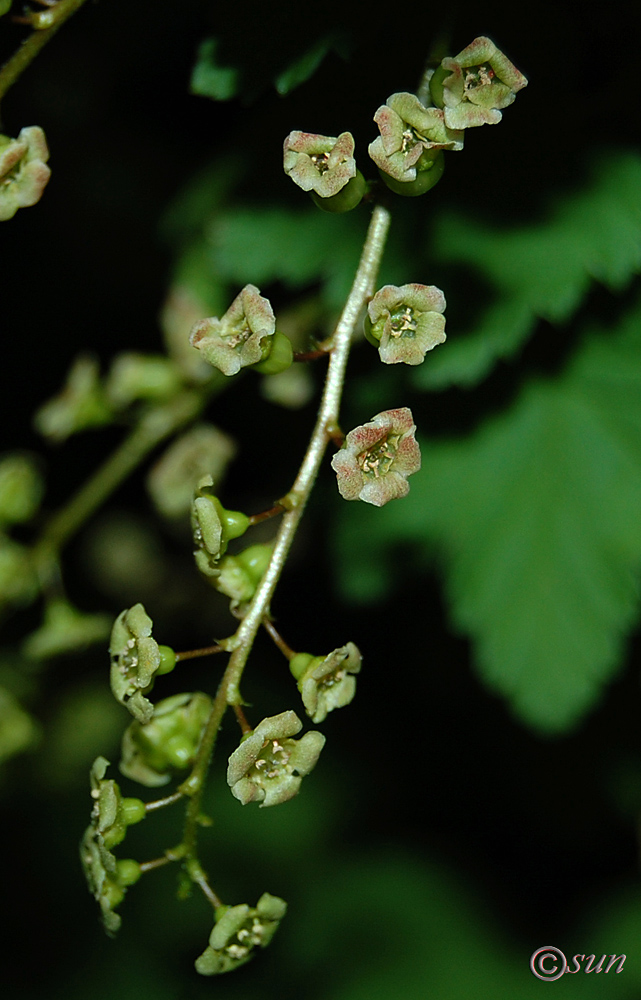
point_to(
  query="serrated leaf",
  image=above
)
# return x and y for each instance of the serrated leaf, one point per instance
(536, 521)
(539, 271)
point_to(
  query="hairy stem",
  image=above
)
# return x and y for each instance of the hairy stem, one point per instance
(32, 45)
(324, 429)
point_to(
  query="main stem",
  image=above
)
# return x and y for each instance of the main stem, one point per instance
(326, 424)
(36, 41)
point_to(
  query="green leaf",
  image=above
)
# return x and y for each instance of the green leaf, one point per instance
(535, 519)
(306, 65)
(296, 247)
(539, 271)
(212, 79)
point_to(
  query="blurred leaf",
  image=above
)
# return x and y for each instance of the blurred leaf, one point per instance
(210, 77)
(296, 247)
(18, 730)
(539, 271)
(306, 65)
(536, 520)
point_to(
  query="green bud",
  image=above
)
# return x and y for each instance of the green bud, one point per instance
(347, 198)
(132, 811)
(280, 357)
(167, 660)
(151, 752)
(299, 663)
(128, 871)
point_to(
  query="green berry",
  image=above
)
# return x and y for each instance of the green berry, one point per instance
(346, 199)
(132, 811)
(167, 660)
(128, 871)
(426, 177)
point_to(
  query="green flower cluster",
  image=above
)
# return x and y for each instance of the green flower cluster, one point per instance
(238, 931)
(107, 877)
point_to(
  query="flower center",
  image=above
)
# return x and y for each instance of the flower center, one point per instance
(321, 162)
(478, 76)
(378, 459)
(238, 334)
(273, 762)
(403, 322)
(247, 938)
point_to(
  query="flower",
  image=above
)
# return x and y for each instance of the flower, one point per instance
(376, 458)
(472, 86)
(136, 659)
(152, 751)
(319, 163)
(213, 527)
(241, 337)
(326, 683)
(237, 931)
(411, 137)
(406, 321)
(23, 170)
(268, 765)
(106, 877)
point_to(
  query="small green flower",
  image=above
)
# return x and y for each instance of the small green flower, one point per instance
(377, 457)
(241, 337)
(213, 527)
(268, 766)
(81, 404)
(136, 659)
(23, 170)
(473, 86)
(320, 163)
(412, 137)
(405, 322)
(202, 450)
(153, 751)
(237, 931)
(149, 377)
(107, 877)
(328, 682)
